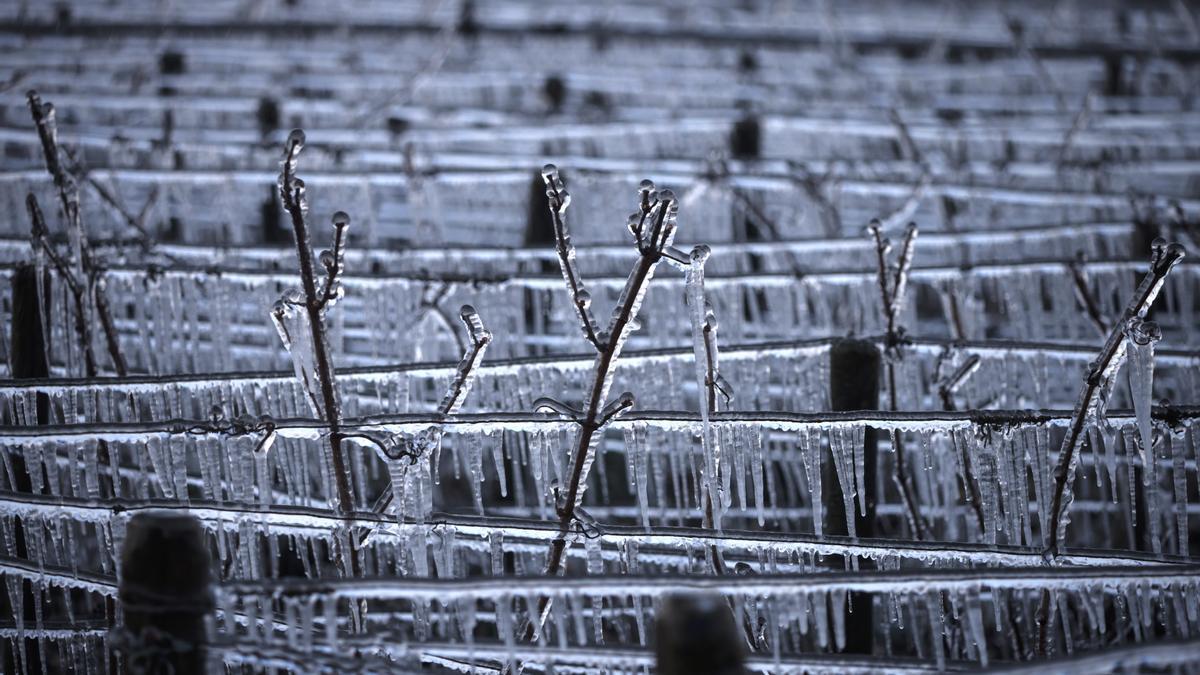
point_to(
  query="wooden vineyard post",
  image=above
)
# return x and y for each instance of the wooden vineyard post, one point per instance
(854, 375)
(697, 635)
(165, 593)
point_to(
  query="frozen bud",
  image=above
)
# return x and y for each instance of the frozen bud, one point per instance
(1142, 332)
(646, 186)
(625, 400)
(666, 196)
(583, 299)
(295, 142)
(341, 219)
(700, 254)
(327, 259)
(215, 414)
(549, 173)
(293, 296)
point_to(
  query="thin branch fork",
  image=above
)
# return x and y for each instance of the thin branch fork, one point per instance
(291, 192)
(456, 393)
(891, 293)
(1084, 294)
(84, 277)
(653, 228)
(1090, 406)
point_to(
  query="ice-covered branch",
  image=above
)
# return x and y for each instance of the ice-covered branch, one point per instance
(1093, 398)
(334, 262)
(950, 385)
(559, 200)
(480, 338)
(417, 447)
(310, 349)
(1083, 293)
(893, 282)
(84, 276)
(653, 229)
(1098, 385)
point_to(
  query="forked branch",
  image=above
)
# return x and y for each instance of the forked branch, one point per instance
(80, 271)
(460, 386)
(653, 229)
(893, 282)
(315, 369)
(1089, 409)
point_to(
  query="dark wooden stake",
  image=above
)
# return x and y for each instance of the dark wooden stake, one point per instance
(697, 635)
(854, 376)
(165, 593)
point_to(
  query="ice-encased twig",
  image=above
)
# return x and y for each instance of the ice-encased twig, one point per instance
(653, 229)
(1098, 382)
(295, 204)
(559, 199)
(892, 288)
(84, 273)
(1092, 401)
(456, 392)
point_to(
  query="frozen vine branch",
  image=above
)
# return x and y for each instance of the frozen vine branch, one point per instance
(80, 271)
(1090, 408)
(893, 282)
(1084, 294)
(309, 345)
(1098, 384)
(396, 448)
(653, 229)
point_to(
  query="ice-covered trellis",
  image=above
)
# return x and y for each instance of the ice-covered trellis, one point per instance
(977, 450)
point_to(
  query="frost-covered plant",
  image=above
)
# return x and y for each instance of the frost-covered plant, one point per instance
(653, 228)
(80, 270)
(893, 282)
(299, 316)
(1131, 336)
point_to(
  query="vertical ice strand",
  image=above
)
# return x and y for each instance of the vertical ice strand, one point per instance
(709, 383)
(83, 273)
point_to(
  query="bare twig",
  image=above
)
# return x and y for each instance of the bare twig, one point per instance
(1016, 29)
(136, 222)
(892, 288)
(1090, 407)
(86, 276)
(314, 303)
(458, 389)
(1078, 124)
(653, 230)
(1083, 293)
(822, 190)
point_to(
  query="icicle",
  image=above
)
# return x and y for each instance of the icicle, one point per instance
(1141, 336)
(810, 447)
(842, 458)
(1179, 479)
(975, 625)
